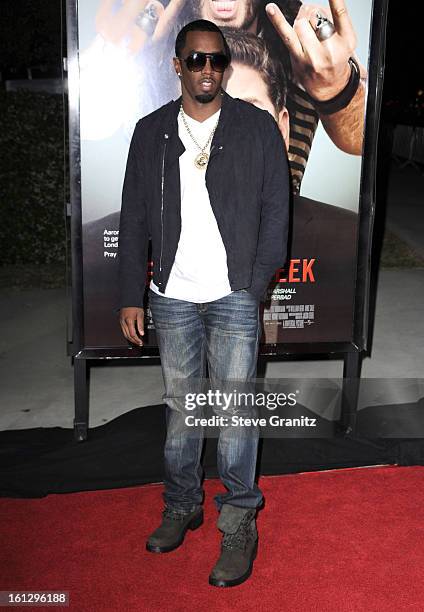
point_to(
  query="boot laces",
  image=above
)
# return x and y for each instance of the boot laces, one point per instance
(239, 539)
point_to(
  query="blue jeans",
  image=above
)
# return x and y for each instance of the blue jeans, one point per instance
(224, 332)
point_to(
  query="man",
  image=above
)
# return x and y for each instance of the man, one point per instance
(207, 179)
(320, 232)
(323, 84)
(257, 76)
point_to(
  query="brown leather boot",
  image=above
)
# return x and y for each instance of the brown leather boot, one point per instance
(238, 548)
(170, 534)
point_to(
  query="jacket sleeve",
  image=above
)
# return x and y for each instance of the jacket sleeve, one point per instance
(133, 229)
(273, 231)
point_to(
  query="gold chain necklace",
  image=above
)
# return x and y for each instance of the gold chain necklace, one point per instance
(201, 160)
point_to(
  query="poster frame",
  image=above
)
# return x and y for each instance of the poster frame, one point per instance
(350, 352)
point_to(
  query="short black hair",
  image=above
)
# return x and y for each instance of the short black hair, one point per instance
(200, 25)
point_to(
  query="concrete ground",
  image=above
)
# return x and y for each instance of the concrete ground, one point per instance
(405, 210)
(37, 377)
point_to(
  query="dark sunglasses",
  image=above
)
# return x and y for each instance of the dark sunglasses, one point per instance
(196, 61)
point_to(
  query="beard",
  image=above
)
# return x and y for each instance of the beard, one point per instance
(205, 98)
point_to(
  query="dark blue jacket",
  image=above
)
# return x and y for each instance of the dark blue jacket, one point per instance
(247, 178)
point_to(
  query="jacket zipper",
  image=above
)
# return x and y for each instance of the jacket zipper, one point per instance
(161, 206)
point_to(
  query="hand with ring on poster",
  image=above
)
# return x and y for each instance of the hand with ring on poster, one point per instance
(136, 21)
(320, 44)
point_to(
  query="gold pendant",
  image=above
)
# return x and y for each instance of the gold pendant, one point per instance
(201, 160)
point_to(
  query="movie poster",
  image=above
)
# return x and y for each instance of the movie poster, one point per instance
(126, 72)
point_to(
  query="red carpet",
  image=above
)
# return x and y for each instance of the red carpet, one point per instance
(344, 540)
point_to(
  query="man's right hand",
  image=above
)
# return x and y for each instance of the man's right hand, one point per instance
(132, 321)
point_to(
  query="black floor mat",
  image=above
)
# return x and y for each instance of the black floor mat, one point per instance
(127, 451)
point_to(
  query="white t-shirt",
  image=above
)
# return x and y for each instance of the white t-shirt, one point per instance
(199, 273)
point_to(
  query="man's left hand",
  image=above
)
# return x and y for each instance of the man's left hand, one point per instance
(321, 67)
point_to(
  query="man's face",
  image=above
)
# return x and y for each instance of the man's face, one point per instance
(246, 83)
(233, 13)
(202, 86)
